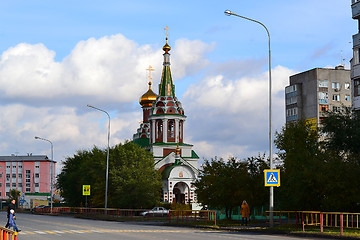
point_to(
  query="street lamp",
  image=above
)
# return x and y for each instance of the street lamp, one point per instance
(51, 171)
(107, 156)
(228, 13)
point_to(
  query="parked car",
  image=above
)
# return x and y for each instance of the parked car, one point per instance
(156, 211)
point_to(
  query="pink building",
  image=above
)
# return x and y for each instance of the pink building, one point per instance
(28, 174)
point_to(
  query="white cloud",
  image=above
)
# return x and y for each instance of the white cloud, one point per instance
(227, 116)
(231, 115)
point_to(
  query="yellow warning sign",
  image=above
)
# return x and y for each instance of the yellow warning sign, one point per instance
(86, 190)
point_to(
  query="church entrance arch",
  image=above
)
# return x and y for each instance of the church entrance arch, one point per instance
(180, 190)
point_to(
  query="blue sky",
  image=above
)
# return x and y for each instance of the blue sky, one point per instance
(58, 56)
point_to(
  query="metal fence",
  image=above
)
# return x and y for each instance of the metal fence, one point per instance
(171, 216)
(7, 234)
(340, 220)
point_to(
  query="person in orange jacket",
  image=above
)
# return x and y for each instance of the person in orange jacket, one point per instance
(245, 212)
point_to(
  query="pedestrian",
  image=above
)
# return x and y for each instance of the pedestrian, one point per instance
(10, 206)
(12, 221)
(245, 212)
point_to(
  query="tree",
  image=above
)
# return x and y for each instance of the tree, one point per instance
(133, 181)
(223, 185)
(14, 194)
(342, 131)
(303, 165)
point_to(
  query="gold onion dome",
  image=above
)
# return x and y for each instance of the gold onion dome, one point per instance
(166, 47)
(148, 98)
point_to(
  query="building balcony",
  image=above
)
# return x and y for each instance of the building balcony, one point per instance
(355, 71)
(356, 40)
(355, 9)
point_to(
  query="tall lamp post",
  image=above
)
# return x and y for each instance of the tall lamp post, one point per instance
(51, 171)
(228, 13)
(107, 156)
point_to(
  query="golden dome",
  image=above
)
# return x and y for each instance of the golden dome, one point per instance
(166, 47)
(147, 98)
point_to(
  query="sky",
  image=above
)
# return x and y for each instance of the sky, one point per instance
(58, 56)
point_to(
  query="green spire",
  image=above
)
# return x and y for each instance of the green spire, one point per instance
(166, 86)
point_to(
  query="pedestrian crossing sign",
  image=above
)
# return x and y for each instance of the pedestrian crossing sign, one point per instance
(272, 177)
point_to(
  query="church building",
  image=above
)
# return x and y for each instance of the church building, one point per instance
(162, 133)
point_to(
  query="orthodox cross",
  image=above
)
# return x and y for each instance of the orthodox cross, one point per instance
(150, 69)
(166, 31)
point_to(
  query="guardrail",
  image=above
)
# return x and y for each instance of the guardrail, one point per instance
(339, 220)
(171, 216)
(7, 234)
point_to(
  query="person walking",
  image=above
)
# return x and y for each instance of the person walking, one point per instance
(245, 212)
(12, 221)
(10, 206)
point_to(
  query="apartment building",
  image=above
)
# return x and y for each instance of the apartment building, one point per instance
(314, 92)
(27, 174)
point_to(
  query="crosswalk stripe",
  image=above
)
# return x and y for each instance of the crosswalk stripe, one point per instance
(79, 231)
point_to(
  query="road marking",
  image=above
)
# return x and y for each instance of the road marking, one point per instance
(80, 231)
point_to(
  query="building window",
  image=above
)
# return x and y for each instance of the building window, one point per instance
(36, 184)
(347, 86)
(20, 175)
(171, 129)
(8, 194)
(290, 89)
(27, 180)
(0, 175)
(27, 190)
(14, 166)
(37, 175)
(324, 108)
(8, 175)
(335, 85)
(13, 185)
(336, 97)
(0, 184)
(356, 88)
(14, 175)
(323, 83)
(19, 184)
(7, 185)
(347, 98)
(8, 166)
(323, 98)
(27, 184)
(37, 166)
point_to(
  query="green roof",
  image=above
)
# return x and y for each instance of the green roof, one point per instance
(142, 142)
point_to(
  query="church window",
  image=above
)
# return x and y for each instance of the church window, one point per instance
(171, 129)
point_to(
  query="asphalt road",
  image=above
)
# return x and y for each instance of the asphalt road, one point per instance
(39, 227)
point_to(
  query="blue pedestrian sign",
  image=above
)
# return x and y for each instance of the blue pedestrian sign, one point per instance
(272, 177)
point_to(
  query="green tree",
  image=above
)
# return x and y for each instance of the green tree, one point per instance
(303, 167)
(223, 185)
(14, 194)
(342, 131)
(133, 181)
